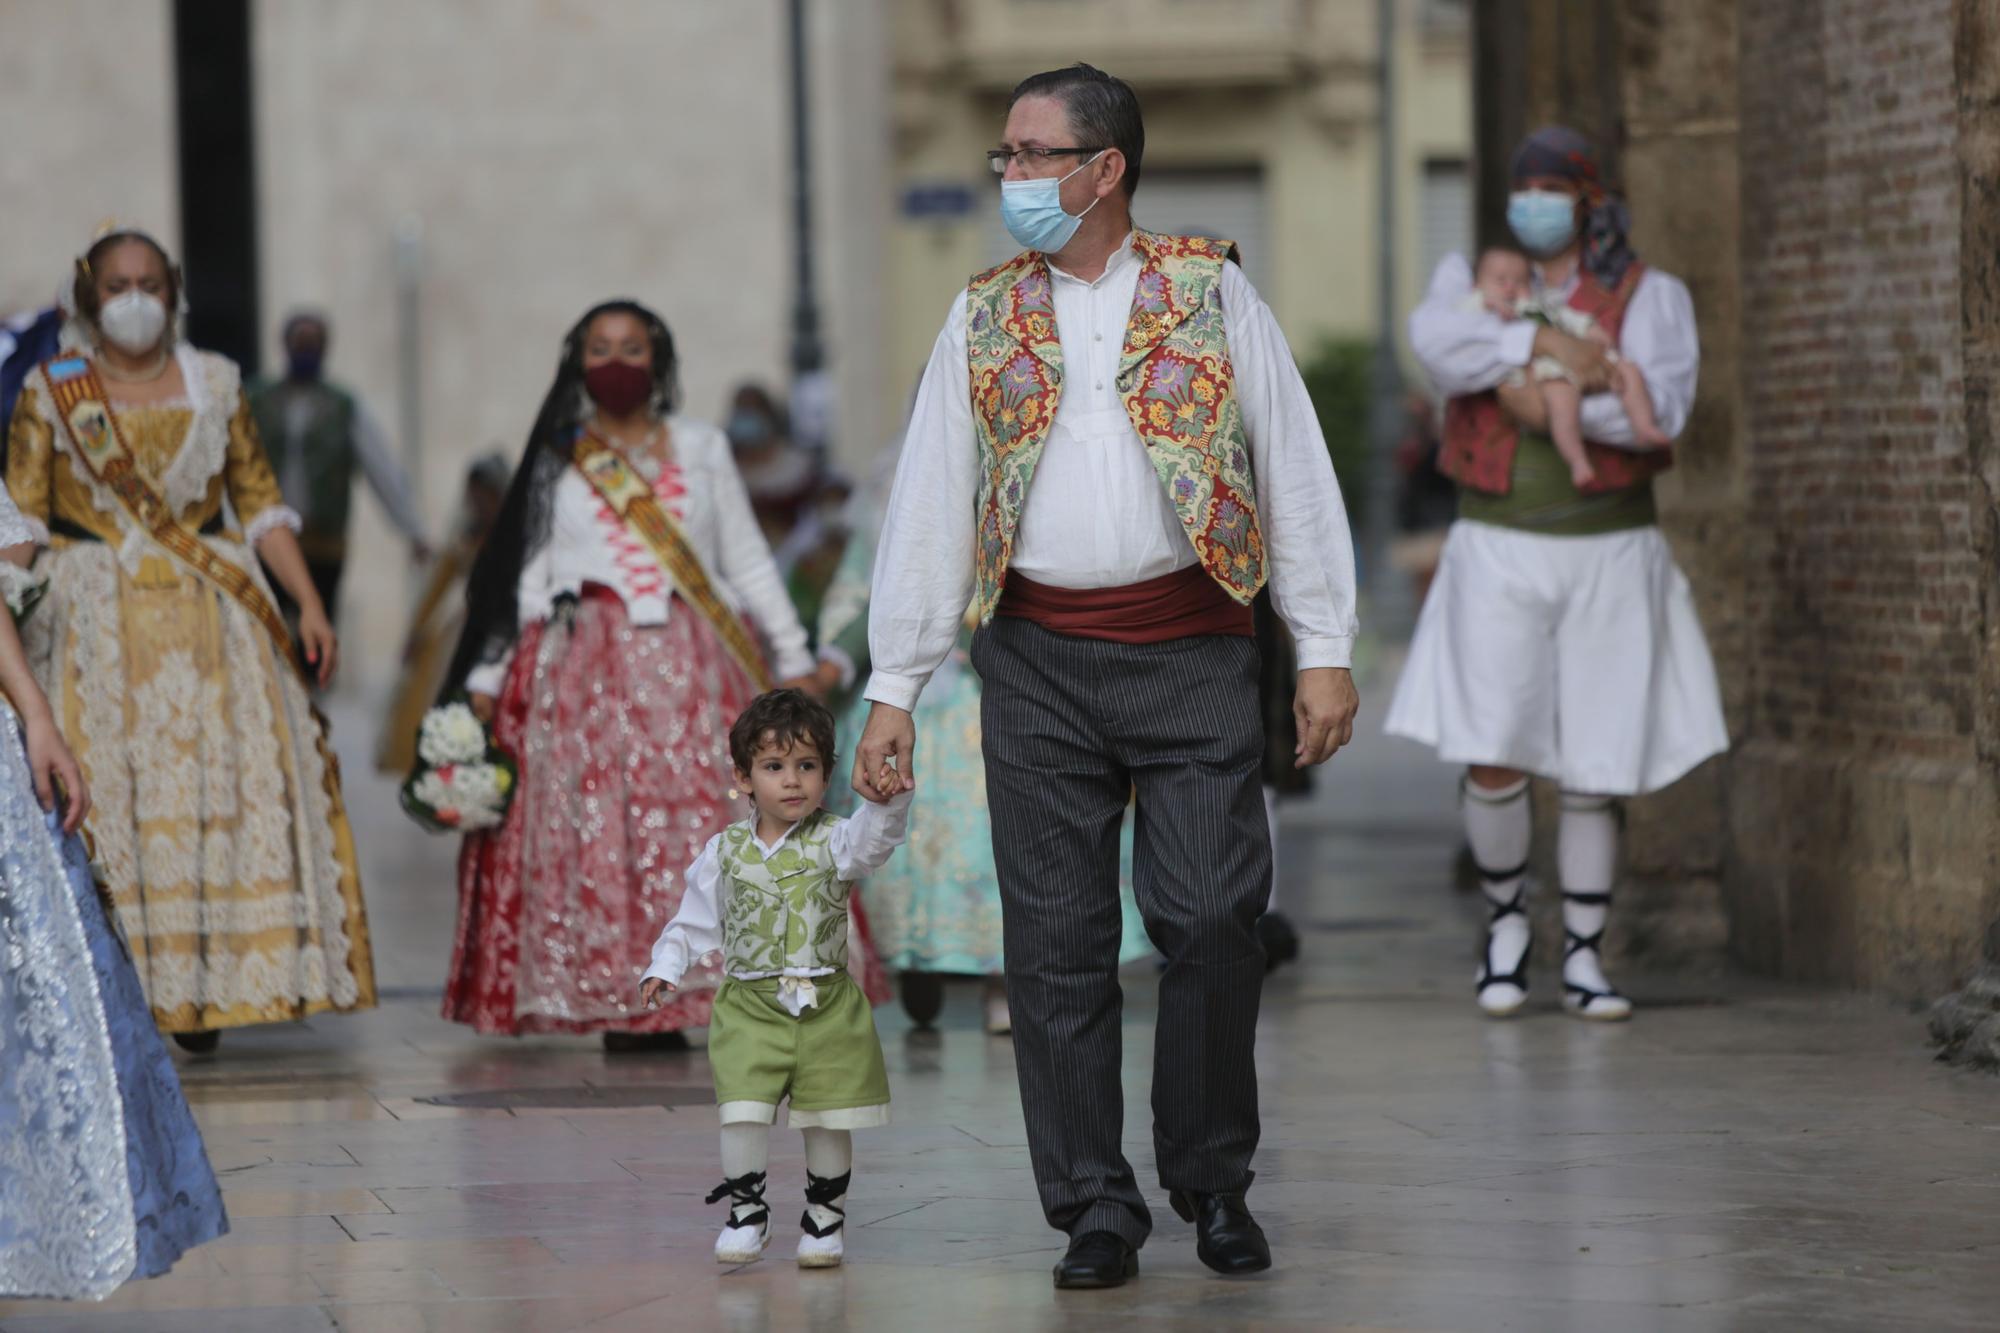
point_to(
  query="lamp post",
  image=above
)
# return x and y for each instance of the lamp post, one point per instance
(1389, 605)
(812, 391)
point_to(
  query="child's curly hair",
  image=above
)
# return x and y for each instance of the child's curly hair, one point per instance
(785, 717)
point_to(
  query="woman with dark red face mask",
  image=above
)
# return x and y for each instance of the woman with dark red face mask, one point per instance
(623, 611)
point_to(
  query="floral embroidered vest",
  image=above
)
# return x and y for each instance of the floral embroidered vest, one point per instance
(1480, 439)
(1174, 378)
(785, 912)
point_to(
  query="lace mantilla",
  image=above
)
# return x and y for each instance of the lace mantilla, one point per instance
(65, 1190)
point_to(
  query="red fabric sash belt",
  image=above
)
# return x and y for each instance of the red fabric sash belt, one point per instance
(1180, 605)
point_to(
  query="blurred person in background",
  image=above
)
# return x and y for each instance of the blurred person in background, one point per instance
(318, 434)
(439, 619)
(25, 342)
(1426, 499)
(934, 912)
(167, 660)
(780, 475)
(607, 646)
(1561, 640)
(812, 553)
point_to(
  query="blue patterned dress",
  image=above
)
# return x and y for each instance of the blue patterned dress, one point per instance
(936, 906)
(102, 1173)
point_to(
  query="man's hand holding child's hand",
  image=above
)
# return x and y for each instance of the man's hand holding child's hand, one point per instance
(653, 992)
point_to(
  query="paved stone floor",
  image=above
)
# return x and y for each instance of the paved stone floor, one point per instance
(1740, 1158)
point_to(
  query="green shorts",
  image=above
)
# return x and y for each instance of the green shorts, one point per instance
(828, 1060)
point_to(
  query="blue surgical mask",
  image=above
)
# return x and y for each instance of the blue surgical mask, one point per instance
(1034, 213)
(1542, 220)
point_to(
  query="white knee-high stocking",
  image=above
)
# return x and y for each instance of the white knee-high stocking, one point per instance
(746, 1150)
(829, 1167)
(1587, 855)
(1499, 827)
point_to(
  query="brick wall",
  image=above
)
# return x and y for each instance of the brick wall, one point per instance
(1863, 794)
(1867, 608)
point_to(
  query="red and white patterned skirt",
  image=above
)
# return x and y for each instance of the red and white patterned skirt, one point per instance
(622, 735)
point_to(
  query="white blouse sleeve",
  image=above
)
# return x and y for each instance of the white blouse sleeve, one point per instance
(1298, 497)
(924, 567)
(533, 599)
(746, 565)
(863, 845)
(1659, 337)
(1462, 347)
(697, 928)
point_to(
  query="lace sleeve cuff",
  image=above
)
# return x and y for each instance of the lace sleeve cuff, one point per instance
(269, 521)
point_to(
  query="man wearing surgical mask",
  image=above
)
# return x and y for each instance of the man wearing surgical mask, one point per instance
(318, 435)
(1110, 455)
(1559, 639)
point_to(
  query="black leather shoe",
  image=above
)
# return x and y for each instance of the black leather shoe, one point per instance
(1227, 1238)
(198, 1043)
(1097, 1259)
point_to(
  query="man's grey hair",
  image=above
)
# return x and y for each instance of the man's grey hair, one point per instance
(1103, 112)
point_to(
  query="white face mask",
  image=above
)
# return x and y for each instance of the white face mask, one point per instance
(133, 321)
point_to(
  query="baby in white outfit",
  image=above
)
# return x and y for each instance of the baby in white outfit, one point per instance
(1502, 284)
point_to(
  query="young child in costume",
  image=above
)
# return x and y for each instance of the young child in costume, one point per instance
(1502, 284)
(771, 894)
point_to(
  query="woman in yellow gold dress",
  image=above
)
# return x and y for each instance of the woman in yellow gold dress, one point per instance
(219, 825)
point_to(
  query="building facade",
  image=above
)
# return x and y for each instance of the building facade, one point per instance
(1261, 125)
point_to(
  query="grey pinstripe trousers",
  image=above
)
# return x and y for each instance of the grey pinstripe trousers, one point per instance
(1072, 728)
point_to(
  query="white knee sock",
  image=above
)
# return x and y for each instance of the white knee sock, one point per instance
(1499, 827)
(829, 1155)
(1587, 855)
(746, 1150)
(1271, 817)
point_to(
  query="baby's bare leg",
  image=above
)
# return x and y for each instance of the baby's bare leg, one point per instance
(1638, 401)
(1565, 403)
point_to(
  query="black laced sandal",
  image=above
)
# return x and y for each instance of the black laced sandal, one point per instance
(1598, 1006)
(1518, 978)
(748, 1230)
(823, 1246)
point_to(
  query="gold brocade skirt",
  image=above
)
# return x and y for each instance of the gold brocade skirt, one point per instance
(217, 819)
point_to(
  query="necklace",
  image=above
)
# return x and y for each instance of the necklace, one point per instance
(645, 455)
(147, 376)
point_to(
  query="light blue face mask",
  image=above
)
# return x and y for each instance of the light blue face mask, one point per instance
(1034, 213)
(1542, 220)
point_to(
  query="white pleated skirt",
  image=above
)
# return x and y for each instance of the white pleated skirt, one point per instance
(1579, 659)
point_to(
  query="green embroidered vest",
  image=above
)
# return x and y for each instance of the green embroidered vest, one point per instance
(1174, 378)
(330, 459)
(785, 912)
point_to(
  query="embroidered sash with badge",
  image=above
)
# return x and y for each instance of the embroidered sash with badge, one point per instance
(82, 407)
(634, 502)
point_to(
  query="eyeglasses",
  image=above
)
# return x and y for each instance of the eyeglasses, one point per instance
(999, 158)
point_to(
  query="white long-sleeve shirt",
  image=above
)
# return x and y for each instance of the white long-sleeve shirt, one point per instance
(860, 846)
(1096, 515)
(586, 546)
(1469, 350)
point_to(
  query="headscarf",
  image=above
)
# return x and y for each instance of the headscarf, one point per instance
(1557, 150)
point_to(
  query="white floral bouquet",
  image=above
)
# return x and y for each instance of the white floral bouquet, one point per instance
(463, 782)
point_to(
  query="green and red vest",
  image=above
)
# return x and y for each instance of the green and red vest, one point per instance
(1480, 439)
(1174, 378)
(330, 459)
